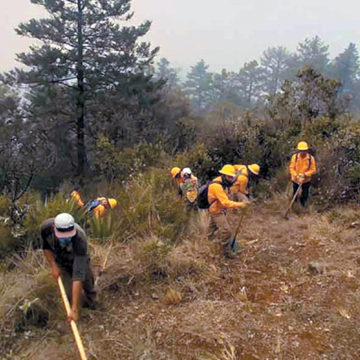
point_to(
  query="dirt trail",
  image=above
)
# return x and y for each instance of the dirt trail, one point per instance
(267, 303)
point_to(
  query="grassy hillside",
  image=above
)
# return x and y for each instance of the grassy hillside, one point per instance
(293, 293)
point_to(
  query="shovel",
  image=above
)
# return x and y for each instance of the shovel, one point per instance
(292, 201)
(73, 325)
(232, 244)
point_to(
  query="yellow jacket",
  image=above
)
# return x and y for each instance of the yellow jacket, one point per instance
(99, 211)
(302, 165)
(76, 198)
(241, 169)
(219, 200)
(241, 181)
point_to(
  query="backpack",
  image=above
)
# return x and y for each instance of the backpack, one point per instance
(91, 205)
(202, 199)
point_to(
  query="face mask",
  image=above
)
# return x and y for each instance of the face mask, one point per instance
(227, 182)
(64, 242)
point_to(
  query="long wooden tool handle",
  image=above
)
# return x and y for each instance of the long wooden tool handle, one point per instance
(73, 325)
(237, 230)
(293, 199)
(238, 226)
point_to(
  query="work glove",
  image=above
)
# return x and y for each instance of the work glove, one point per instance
(243, 204)
(300, 178)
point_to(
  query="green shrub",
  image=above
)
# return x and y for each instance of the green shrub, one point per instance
(38, 212)
(5, 204)
(148, 204)
(102, 229)
(120, 165)
(152, 257)
(8, 243)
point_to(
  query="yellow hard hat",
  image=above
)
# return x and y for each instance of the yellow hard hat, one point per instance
(302, 145)
(228, 170)
(174, 171)
(112, 203)
(254, 168)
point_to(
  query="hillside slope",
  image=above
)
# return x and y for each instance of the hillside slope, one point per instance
(293, 293)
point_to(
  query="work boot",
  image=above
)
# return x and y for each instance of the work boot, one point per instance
(90, 304)
(89, 300)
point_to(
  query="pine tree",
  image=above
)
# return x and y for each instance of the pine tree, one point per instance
(313, 52)
(199, 85)
(250, 83)
(346, 67)
(278, 65)
(167, 73)
(86, 50)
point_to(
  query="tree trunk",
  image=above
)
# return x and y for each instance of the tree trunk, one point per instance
(80, 101)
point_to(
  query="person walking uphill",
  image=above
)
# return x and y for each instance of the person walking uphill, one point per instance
(302, 168)
(219, 203)
(64, 244)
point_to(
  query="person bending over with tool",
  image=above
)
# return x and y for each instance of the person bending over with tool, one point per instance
(219, 203)
(302, 168)
(100, 206)
(64, 244)
(240, 189)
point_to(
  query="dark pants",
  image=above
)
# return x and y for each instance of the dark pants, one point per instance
(305, 192)
(89, 295)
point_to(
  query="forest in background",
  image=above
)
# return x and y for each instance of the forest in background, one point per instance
(92, 105)
(90, 85)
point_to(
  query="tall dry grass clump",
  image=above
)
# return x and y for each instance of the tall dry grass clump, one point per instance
(28, 297)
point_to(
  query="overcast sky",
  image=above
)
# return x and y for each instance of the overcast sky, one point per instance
(225, 33)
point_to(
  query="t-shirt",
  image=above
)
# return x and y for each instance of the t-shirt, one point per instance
(74, 257)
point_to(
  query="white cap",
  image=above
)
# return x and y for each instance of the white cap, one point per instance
(186, 171)
(64, 226)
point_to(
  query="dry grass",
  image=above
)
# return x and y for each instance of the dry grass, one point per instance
(185, 301)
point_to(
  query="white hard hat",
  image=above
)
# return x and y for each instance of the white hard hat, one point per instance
(64, 226)
(186, 171)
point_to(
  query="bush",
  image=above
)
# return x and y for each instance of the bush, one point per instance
(152, 258)
(38, 212)
(28, 298)
(8, 243)
(120, 165)
(148, 204)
